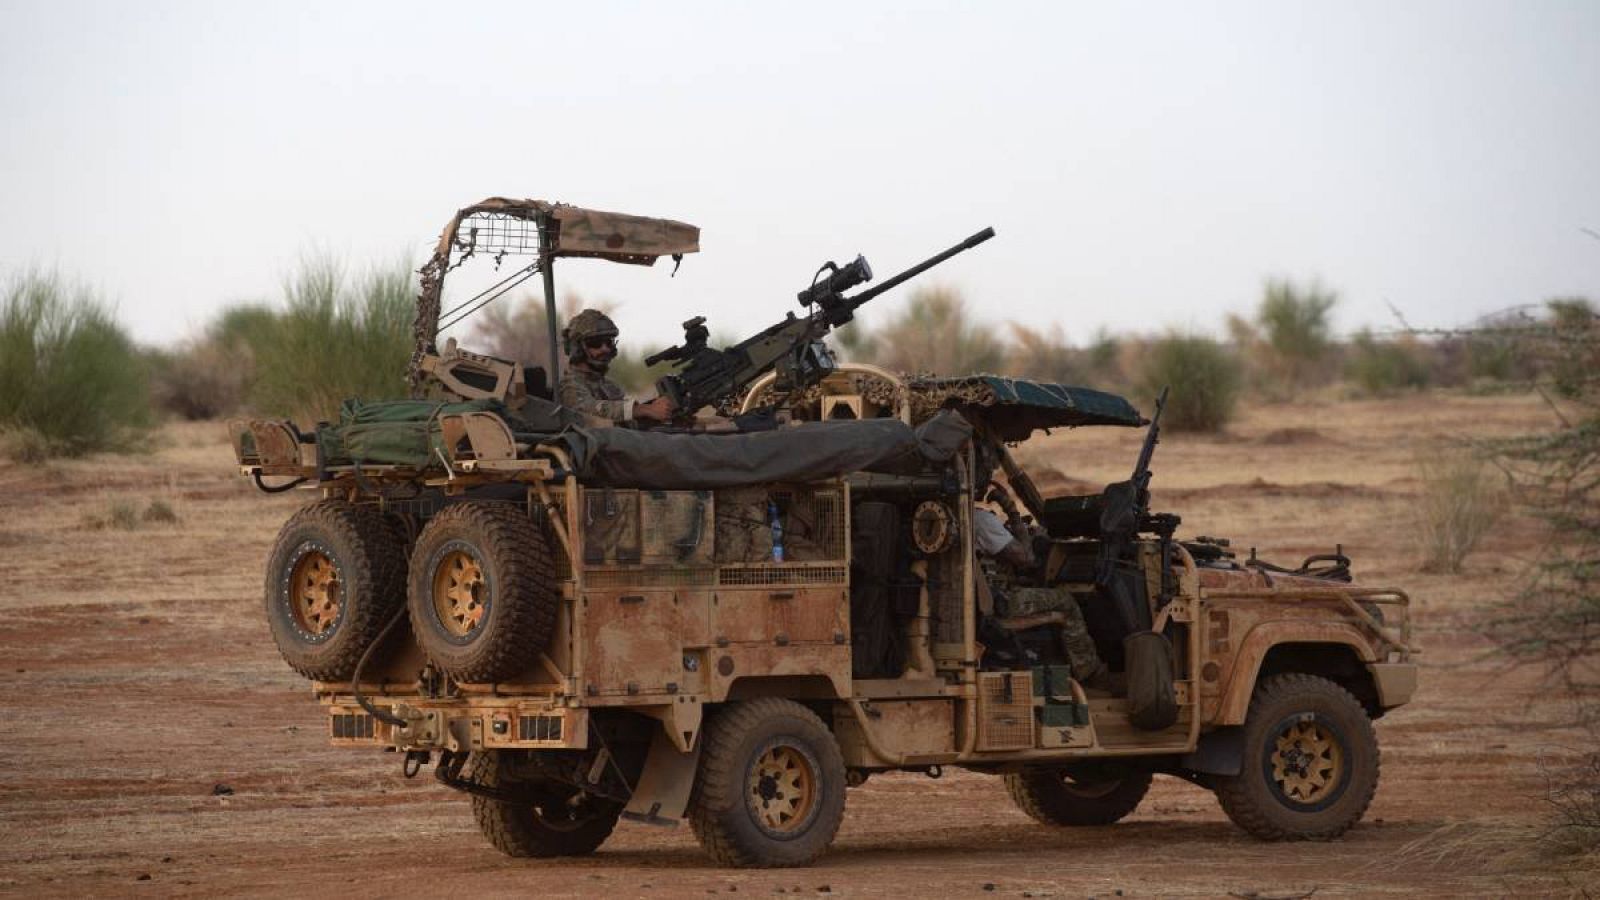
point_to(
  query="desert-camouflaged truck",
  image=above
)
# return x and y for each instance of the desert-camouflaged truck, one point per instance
(575, 624)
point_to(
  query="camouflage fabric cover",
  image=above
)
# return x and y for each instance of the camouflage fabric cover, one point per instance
(571, 230)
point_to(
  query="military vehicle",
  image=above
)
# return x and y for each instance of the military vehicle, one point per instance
(575, 624)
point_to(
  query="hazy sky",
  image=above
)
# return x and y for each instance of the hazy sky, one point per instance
(1145, 165)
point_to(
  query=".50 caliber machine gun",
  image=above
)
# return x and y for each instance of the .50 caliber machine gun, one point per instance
(793, 347)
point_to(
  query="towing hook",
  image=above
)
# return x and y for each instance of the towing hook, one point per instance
(934, 771)
(414, 761)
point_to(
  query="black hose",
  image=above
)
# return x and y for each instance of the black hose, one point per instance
(355, 677)
(278, 489)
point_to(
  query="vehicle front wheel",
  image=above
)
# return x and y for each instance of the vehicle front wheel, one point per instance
(1310, 762)
(557, 819)
(770, 791)
(1062, 797)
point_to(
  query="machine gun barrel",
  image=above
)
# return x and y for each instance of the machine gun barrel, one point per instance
(1141, 469)
(793, 347)
(919, 268)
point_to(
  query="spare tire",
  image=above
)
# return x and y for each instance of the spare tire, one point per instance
(482, 591)
(334, 580)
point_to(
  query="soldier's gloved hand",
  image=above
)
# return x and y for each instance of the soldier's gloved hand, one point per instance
(657, 410)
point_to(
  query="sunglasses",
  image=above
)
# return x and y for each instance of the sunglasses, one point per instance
(595, 343)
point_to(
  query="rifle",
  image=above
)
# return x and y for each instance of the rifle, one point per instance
(793, 346)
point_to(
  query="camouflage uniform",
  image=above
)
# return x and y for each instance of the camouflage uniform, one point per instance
(594, 394)
(990, 537)
(1075, 639)
(582, 388)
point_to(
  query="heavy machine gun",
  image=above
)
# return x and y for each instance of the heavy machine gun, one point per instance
(793, 347)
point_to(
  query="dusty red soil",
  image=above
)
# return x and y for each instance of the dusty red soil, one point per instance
(155, 744)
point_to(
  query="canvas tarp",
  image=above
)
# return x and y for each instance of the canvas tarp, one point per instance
(625, 458)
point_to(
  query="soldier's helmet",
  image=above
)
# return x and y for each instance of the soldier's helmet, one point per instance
(590, 323)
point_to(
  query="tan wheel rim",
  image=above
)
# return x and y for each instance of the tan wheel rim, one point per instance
(782, 789)
(460, 593)
(315, 593)
(1307, 763)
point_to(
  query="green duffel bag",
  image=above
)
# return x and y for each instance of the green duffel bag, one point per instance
(390, 432)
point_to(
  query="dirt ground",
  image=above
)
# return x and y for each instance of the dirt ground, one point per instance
(157, 745)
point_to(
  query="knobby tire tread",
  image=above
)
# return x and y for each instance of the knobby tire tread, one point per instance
(1041, 795)
(525, 595)
(1240, 798)
(719, 785)
(373, 575)
(515, 831)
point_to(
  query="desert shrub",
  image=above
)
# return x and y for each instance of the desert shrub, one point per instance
(159, 512)
(333, 340)
(1043, 355)
(936, 334)
(1205, 380)
(1380, 367)
(517, 330)
(202, 378)
(1295, 329)
(1554, 621)
(1575, 362)
(1463, 496)
(69, 376)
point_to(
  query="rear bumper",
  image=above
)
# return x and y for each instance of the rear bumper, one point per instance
(479, 724)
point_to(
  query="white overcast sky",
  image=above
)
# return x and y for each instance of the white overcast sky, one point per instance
(1146, 165)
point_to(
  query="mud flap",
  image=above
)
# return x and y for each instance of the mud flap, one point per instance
(663, 792)
(1220, 752)
(1152, 700)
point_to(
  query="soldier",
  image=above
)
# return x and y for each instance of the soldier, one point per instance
(992, 538)
(590, 341)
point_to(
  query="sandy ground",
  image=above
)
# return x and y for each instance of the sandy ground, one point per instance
(157, 745)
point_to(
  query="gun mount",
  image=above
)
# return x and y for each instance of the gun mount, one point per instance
(792, 348)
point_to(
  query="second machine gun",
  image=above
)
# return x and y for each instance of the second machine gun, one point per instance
(793, 347)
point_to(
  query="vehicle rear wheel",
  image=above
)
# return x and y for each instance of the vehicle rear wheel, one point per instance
(558, 820)
(1310, 762)
(334, 578)
(1062, 797)
(770, 791)
(483, 593)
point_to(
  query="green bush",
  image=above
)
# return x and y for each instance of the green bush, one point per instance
(1204, 376)
(1383, 367)
(71, 382)
(1295, 327)
(1576, 362)
(331, 341)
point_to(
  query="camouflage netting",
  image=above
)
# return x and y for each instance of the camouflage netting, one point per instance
(1013, 407)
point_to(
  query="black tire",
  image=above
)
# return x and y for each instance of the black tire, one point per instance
(335, 578)
(770, 790)
(1310, 762)
(482, 591)
(1059, 797)
(564, 822)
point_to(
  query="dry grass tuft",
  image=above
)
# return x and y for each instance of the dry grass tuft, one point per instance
(1462, 499)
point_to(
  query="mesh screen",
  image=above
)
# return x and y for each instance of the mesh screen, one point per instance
(1005, 701)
